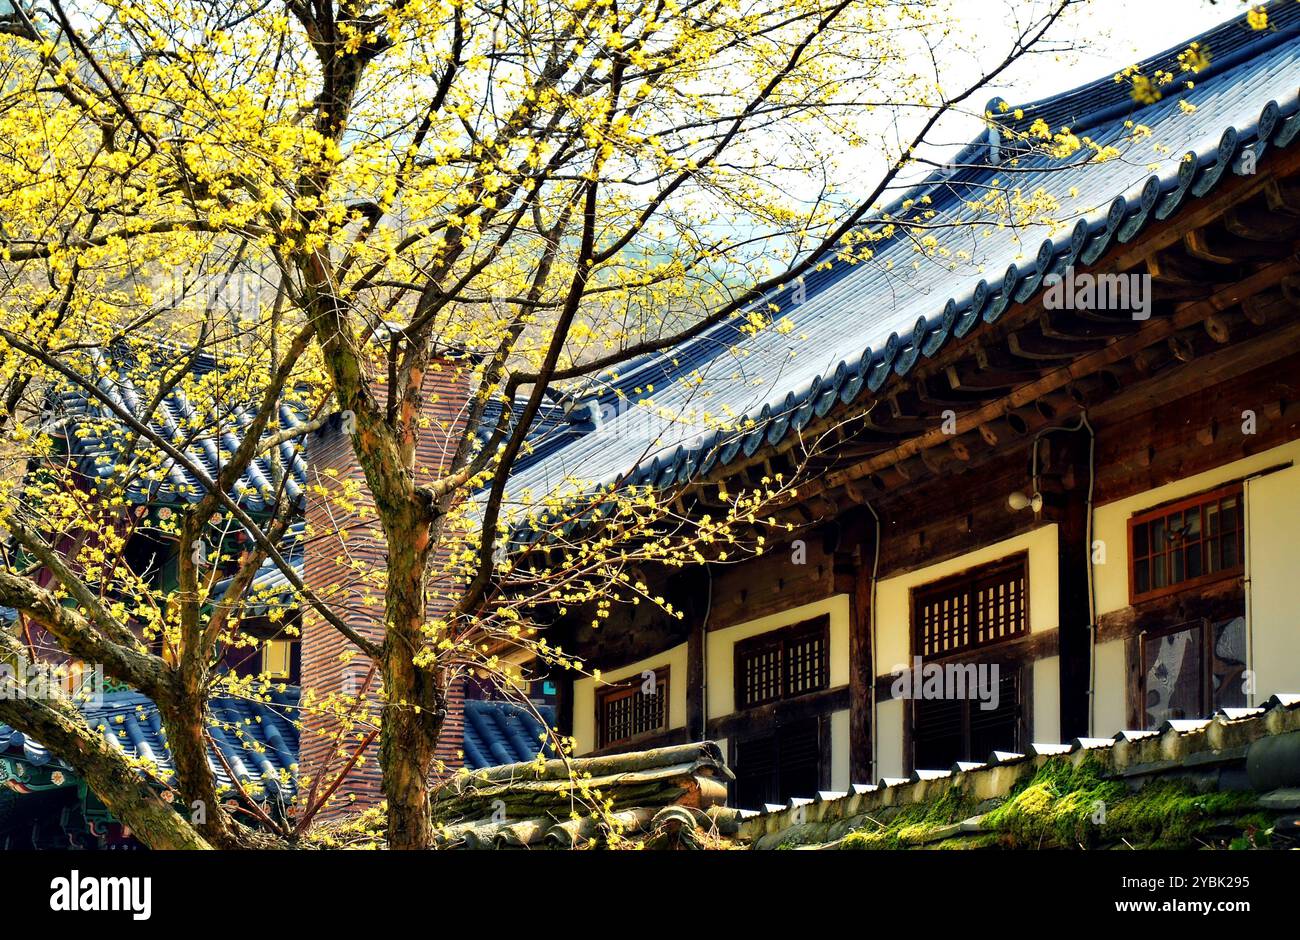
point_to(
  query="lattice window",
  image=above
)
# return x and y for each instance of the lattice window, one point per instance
(1187, 544)
(783, 663)
(635, 707)
(971, 610)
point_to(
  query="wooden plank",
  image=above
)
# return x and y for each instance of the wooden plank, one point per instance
(1220, 600)
(694, 588)
(695, 681)
(1210, 369)
(1168, 433)
(1024, 650)
(861, 662)
(773, 582)
(824, 748)
(755, 722)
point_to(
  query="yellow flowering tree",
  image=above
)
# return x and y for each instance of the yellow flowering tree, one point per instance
(534, 192)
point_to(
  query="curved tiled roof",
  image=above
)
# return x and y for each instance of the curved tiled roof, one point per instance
(270, 589)
(863, 324)
(98, 441)
(257, 739)
(503, 733)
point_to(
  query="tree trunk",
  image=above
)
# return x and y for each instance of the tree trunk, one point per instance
(185, 720)
(127, 796)
(414, 696)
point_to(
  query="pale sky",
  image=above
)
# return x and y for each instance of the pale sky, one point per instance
(1120, 33)
(1099, 38)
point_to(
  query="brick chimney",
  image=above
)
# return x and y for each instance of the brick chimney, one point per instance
(340, 539)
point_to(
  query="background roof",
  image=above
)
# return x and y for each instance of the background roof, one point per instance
(258, 739)
(98, 441)
(503, 733)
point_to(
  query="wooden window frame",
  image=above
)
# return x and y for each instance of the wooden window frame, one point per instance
(1023, 668)
(1202, 500)
(978, 651)
(781, 637)
(971, 577)
(821, 726)
(625, 688)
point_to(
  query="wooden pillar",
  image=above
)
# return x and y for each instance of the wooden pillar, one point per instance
(695, 729)
(560, 633)
(1070, 460)
(695, 586)
(854, 560)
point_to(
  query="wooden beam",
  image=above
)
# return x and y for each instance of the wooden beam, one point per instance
(1268, 307)
(1210, 369)
(695, 680)
(1260, 223)
(1030, 343)
(1153, 331)
(765, 718)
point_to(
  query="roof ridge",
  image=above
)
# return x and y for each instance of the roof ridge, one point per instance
(1244, 42)
(1284, 20)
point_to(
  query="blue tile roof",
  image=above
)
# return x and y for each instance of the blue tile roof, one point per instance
(503, 733)
(258, 739)
(863, 324)
(98, 440)
(270, 589)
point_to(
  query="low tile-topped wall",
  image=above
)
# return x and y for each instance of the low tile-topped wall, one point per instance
(1184, 746)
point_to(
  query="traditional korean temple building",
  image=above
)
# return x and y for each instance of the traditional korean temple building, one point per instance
(1024, 517)
(1083, 513)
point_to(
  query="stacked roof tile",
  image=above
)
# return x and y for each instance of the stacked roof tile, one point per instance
(257, 740)
(504, 733)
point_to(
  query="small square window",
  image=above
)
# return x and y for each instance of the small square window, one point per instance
(1186, 544)
(277, 658)
(636, 706)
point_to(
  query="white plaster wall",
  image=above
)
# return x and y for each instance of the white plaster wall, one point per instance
(889, 738)
(1045, 721)
(1110, 711)
(840, 750)
(1273, 569)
